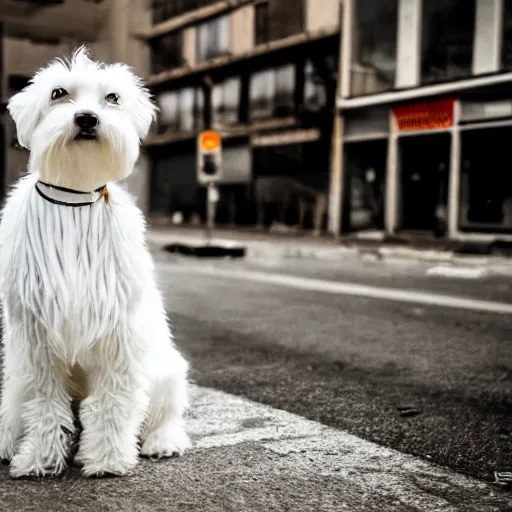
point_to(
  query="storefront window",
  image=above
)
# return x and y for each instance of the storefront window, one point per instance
(486, 183)
(507, 34)
(375, 44)
(290, 184)
(213, 39)
(448, 37)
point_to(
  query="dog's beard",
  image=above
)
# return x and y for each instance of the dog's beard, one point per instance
(84, 165)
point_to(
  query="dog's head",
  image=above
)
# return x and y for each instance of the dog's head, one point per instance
(82, 121)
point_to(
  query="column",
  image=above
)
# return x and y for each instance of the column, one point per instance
(454, 180)
(119, 29)
(336, 178)
(347, 34)
(488, 36)
(392, 207)
(408, 43)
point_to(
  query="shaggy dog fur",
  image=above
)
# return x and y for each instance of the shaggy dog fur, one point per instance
(83, 317)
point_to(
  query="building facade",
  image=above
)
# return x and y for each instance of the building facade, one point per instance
(264, 74)
(425, 116)
(36, 31)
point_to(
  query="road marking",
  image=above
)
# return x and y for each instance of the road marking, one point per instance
(458, 272)
(305, 449)
(344, 288)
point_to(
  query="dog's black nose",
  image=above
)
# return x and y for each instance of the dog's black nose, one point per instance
(86, 120)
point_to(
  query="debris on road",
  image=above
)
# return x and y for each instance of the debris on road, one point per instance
(503, 479)
(408, 411)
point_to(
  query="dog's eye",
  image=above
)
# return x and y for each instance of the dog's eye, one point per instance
(59, 93)
(112, 98)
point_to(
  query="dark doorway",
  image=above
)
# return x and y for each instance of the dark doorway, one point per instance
(486, 182)
(425, 169)
(365, 185)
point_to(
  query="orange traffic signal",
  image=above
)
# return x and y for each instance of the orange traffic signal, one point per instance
(209, 141)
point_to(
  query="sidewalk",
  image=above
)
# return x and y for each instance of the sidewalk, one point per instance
(250, 457)
(269, 246)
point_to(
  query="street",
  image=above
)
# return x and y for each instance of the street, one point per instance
(427, 377)
(351, 362)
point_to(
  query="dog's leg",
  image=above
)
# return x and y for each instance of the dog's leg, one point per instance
(164, 434)
(112, 414)
(16, 388)
(13, 396)
(46, 415)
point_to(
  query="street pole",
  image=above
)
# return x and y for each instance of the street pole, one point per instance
(211, 191)
(209, 212)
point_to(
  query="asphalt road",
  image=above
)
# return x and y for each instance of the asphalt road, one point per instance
(356, 363)
(431, 381)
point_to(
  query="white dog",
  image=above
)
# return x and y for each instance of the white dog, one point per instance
(83, 317)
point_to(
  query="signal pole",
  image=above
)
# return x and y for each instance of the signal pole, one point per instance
(211, 199)
(212, 195)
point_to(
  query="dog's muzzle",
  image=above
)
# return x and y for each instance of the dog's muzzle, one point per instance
(87, 122)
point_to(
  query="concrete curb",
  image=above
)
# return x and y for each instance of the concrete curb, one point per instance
(282, 249)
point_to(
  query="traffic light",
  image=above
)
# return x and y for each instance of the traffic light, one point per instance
(209, 165)
(209, 157)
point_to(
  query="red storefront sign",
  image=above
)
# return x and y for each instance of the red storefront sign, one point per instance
(428, 115)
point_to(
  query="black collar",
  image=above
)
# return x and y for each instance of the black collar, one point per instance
(68, 197)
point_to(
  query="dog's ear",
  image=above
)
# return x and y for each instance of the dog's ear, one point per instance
(25, 115)
(142, 107)
(146, 111)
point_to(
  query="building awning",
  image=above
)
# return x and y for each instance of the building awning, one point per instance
(398, 96)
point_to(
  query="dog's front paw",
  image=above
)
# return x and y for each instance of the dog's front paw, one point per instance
(31, 461)
(104, 460)
(166, 441)
(107, 466)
